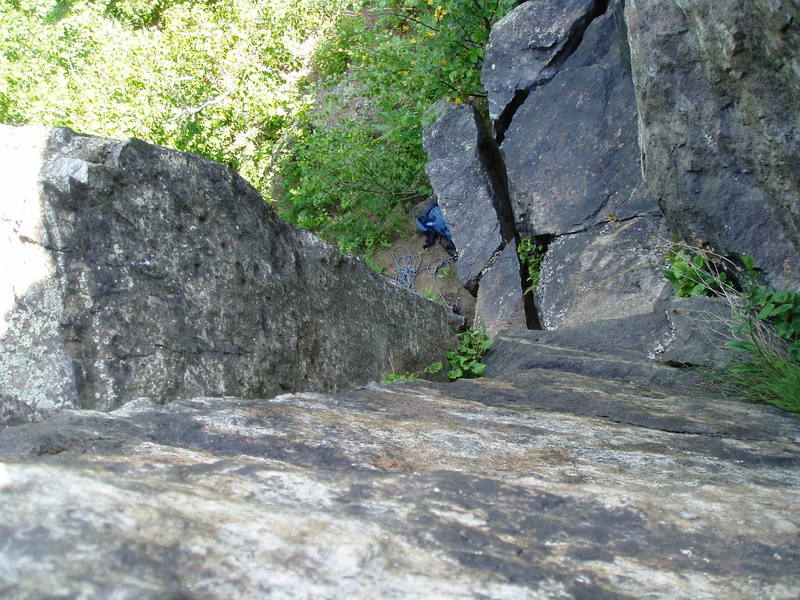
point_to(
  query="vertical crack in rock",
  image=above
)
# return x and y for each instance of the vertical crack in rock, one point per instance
(550, 70)
(532, 319)
(495, 166)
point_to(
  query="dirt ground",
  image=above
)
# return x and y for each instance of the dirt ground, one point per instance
(429, 282)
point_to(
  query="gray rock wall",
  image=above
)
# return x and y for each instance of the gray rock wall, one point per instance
(136, 271)
(571, 156)
(718, 97)
(470, 187)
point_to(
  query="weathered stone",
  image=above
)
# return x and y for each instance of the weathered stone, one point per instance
(500, 304)
(608, 272)
(588, 350)
(698, 331)
(469, 182)
(543, 485)
(527, 46)
(680, 331)
(571, 152)
(131, 270)
(718, 89)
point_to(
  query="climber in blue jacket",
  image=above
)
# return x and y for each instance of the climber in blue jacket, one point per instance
(432, 224)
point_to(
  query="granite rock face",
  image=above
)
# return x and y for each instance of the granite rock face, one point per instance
(500, 303)
(469, 182)
(571, 151)
(611, 271)
(718, 96)
(526, 48)
(543, 484)
(131, 271)
(689, 332)
(571, 157)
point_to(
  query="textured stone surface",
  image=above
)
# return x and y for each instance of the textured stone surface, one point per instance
(680, 331)
(130, 270)
(538, 486)
(571, 152)
(500, 304)
(589, 350)
(527, 46)
(470, 186)
(718, 90)
(608, 272)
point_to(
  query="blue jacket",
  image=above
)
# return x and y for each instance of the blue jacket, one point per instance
(432, 220)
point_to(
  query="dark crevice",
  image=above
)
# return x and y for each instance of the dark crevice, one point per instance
(502, 123)
(550, 70)
(532, 319)
(472, 285)
(495, 166)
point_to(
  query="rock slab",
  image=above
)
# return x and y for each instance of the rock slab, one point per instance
(571, 151)
(611, 271)
(469, 182)
(131, 271)
(718, 95)
(500, 303)
(541, 485)
(527, 46)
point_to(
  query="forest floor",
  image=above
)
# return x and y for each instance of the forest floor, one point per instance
(440, 285)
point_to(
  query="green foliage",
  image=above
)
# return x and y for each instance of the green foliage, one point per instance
(434, 367)
(352, 181)
(406, 377)
(765, 327)
(214, 77)
(531, 255)
(465, 361)
(446, 273)
(781, 308)
(409, 377)
(341, 184)
(764, 375)
(694, 275)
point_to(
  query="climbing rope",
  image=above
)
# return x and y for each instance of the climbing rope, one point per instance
(409, 265)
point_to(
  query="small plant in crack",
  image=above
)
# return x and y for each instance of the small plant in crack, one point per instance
(465, 362)
(531, 257)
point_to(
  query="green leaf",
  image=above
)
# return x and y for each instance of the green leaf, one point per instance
(698, 290)
(766, 312)
(433, 367)
(478, 368)
(742, 346)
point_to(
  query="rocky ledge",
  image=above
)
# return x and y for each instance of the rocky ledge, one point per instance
(543, 484)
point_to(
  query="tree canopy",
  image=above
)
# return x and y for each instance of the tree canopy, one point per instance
(235, 81)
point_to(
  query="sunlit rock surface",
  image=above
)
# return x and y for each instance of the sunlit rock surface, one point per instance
(541, 485)
(130, 270)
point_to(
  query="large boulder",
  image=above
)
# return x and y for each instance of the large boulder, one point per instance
(131, 271)
(500, 303)
(469, 180)
(611, 271)
(717, 90)
(574, 176)
(687, 332)
(571, 151)
(527, 46)
(543, 484)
